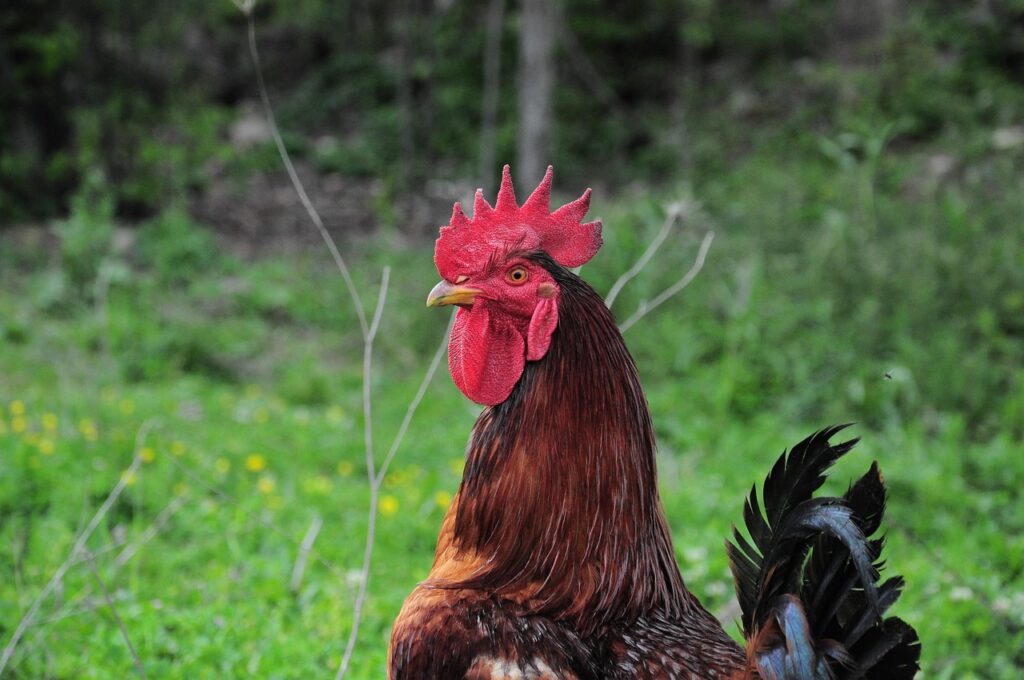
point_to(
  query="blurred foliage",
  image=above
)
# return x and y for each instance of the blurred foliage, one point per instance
(396, 86)
(868, 265)
(251, 370)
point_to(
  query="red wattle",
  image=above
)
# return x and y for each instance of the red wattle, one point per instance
(486, 353)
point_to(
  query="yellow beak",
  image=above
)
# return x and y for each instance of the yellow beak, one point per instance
(445, 293)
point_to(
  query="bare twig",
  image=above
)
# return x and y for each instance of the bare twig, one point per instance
(117, 617)
(86, 606)
(108, 548)
(647, 307)
(128, 550)
(371, 335)
(303, 555)
(246, 7)
(177, 503)
(414, 404)
(371, 476)
(674, 210)
(79, 544)
(127, 553)
(224, 495)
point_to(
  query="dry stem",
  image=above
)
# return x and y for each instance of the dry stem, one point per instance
(303, 554)
(648, 307)
(78, 546)
(674, 210)
(117, 617)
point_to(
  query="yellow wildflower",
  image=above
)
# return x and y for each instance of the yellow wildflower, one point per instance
(265, 485)
(388, 505)
(127, 406)
(128, 477)
(19, 424)
(178, 448)
(456, 465)
(87, 428)
(255, 463)
(17, 407)
(46, 447)
(147, 454)
(443, 499)
(345, 468)
(180, 489)
(222, 466)
(335, 414)
(317, 486)
(49, 421)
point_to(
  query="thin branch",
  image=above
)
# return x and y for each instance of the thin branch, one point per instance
(371, 476)
(128, 550)
(224, 495)
(117, 617)
(87, 606)
(364, 572)
(126, 554)
(367, 374)
(155, 528)
(108, 548)
(648, 307)
(674, 210)
(415, 403)
(369, 332)
(303, 555)
(246, 7)
(79, 544)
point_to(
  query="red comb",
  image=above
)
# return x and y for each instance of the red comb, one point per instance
(466, 245)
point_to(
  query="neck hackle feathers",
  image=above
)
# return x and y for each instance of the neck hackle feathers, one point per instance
(466, 244)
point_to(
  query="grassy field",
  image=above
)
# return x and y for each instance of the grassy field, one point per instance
(838, 289)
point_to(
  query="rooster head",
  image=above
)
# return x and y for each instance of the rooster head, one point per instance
(508, 301)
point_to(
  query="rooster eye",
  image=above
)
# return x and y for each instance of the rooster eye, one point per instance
(517, 275)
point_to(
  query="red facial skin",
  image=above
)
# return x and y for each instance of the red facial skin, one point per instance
(509, 323)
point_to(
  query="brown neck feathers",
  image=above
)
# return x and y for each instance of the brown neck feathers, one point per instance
(559, 502)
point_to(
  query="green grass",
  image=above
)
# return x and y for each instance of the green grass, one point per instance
(816, 289)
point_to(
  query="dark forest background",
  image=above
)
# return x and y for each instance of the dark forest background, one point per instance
(151, 102)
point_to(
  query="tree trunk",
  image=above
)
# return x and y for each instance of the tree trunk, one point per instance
(536, 85)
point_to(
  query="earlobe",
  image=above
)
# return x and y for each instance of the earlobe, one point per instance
(542, 325)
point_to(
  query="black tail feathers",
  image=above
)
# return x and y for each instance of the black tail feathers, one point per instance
(808, 580)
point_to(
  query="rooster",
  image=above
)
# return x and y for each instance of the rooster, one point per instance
(554, 560)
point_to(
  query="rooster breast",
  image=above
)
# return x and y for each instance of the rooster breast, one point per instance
(467, 634)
